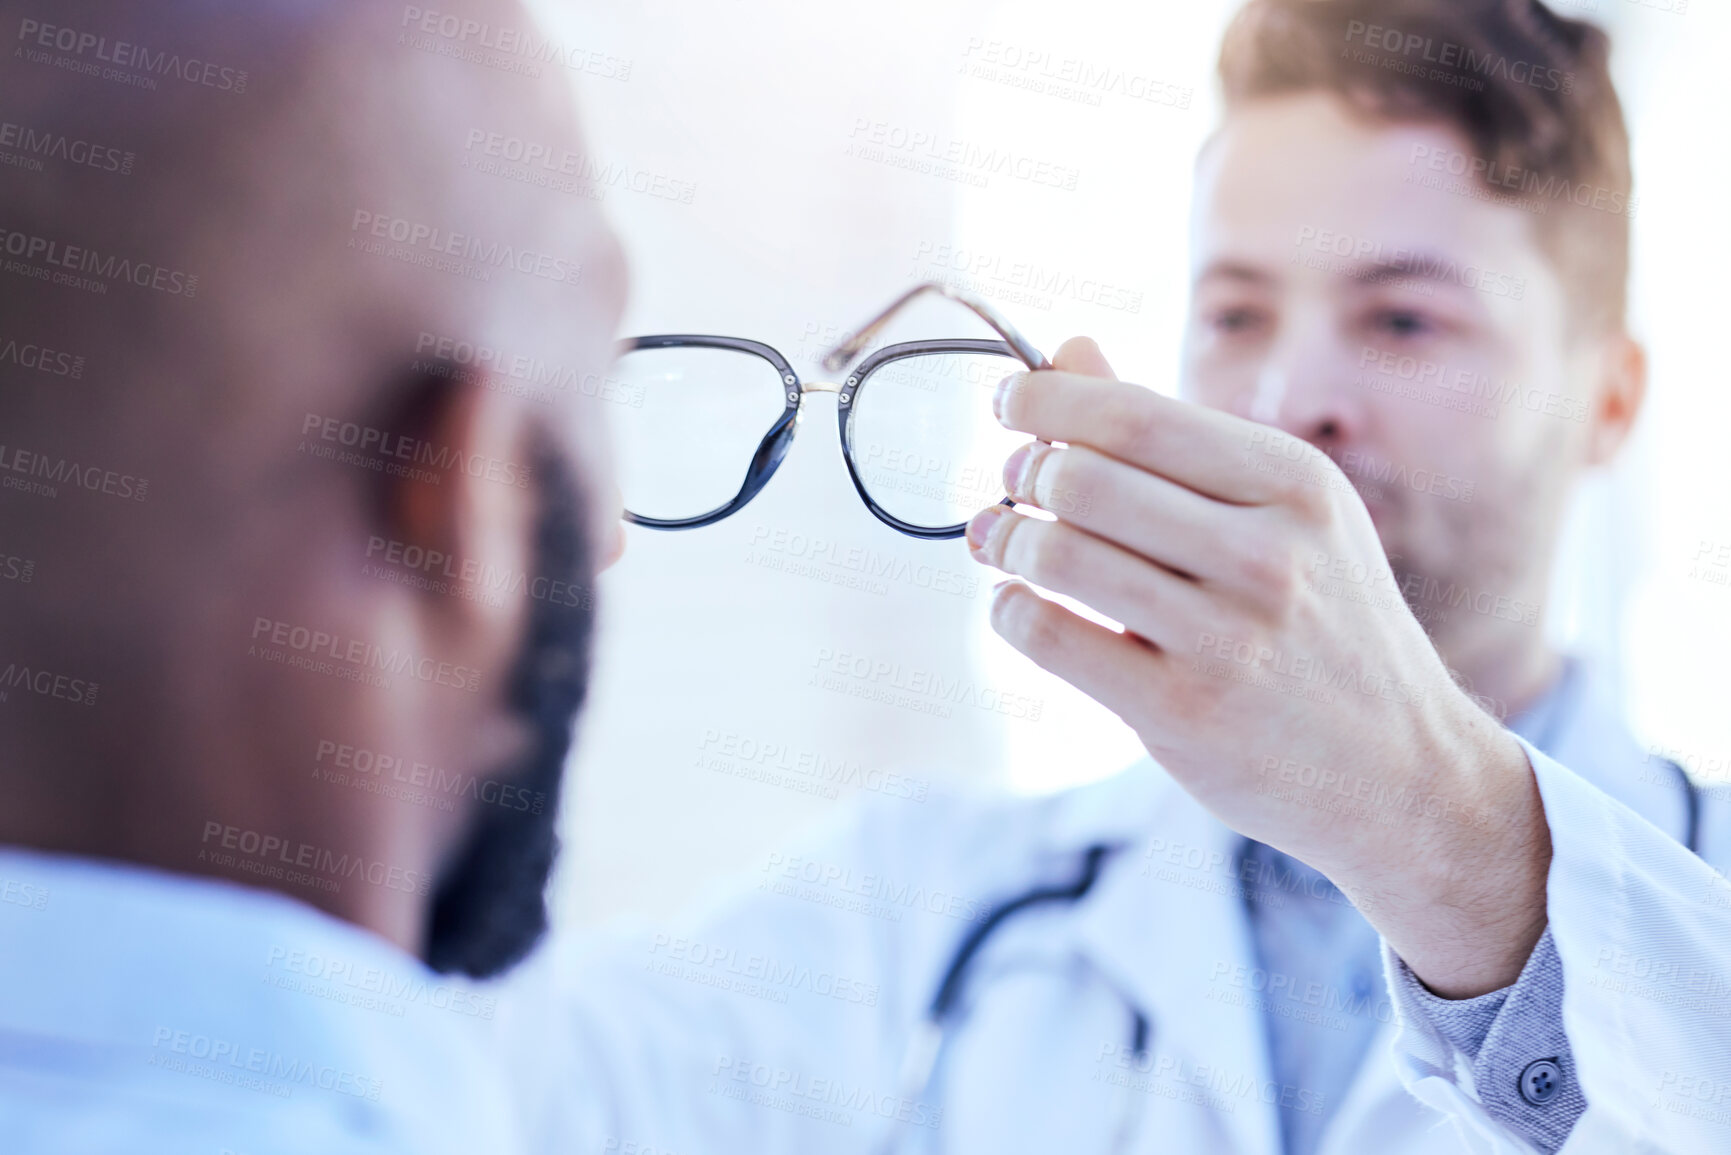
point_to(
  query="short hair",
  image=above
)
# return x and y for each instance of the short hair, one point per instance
(1529, 89)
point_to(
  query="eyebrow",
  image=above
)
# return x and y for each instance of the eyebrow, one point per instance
(1427, 266)
(1236, 271)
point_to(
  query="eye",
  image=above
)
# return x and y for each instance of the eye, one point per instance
(1236, 320)
(1403, 323)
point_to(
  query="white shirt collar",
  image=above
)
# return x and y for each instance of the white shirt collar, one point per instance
(148, 988)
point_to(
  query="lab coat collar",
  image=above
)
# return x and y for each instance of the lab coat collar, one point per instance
(1166, 924)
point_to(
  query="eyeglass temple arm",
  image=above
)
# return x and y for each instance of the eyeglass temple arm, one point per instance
(844, 354)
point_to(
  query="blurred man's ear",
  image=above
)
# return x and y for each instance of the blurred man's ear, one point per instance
(1617, 401)
(469, 496)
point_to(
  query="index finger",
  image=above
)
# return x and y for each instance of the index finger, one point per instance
(1214, 453)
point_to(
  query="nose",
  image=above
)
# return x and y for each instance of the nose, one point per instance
(1305, 388)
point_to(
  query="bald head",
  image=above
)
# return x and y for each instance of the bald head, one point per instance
(319, 336)
(300, 207)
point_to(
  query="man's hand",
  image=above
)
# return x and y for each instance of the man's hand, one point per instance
(1267, 660)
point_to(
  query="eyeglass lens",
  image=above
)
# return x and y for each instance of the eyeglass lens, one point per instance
(694, 420)
(924, 441)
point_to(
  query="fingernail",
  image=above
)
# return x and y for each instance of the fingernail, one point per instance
(1003, 391)
(1016, 469)
(980, 528)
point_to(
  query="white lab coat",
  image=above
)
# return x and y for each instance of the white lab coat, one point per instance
(159, 1013)
(778, 1022)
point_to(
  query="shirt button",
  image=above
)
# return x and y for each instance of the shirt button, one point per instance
(1541, 1081)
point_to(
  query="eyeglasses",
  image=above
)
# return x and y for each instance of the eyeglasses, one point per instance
(705, 421)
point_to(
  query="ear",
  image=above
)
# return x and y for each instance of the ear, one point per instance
(464, 497)
(1617, 402)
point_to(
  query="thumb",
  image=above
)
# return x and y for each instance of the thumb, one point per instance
(1080, 355)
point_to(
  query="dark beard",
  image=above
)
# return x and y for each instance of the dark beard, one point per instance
(490, 906)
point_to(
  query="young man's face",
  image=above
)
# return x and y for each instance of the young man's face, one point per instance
(1417, 334)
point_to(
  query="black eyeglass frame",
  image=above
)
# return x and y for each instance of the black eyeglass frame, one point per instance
(772, 449)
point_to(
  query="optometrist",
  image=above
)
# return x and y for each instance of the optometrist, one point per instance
(1504, 939)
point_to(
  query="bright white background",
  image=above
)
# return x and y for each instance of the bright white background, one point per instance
(792, 236)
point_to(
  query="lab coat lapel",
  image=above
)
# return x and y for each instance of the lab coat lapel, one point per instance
(1165, 922)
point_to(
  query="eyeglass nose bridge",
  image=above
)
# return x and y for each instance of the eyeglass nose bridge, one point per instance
(843, 392)
(797, 389)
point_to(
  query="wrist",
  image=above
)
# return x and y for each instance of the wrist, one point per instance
(1458, 887)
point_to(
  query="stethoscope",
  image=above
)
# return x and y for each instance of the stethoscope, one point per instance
(921, 1058)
